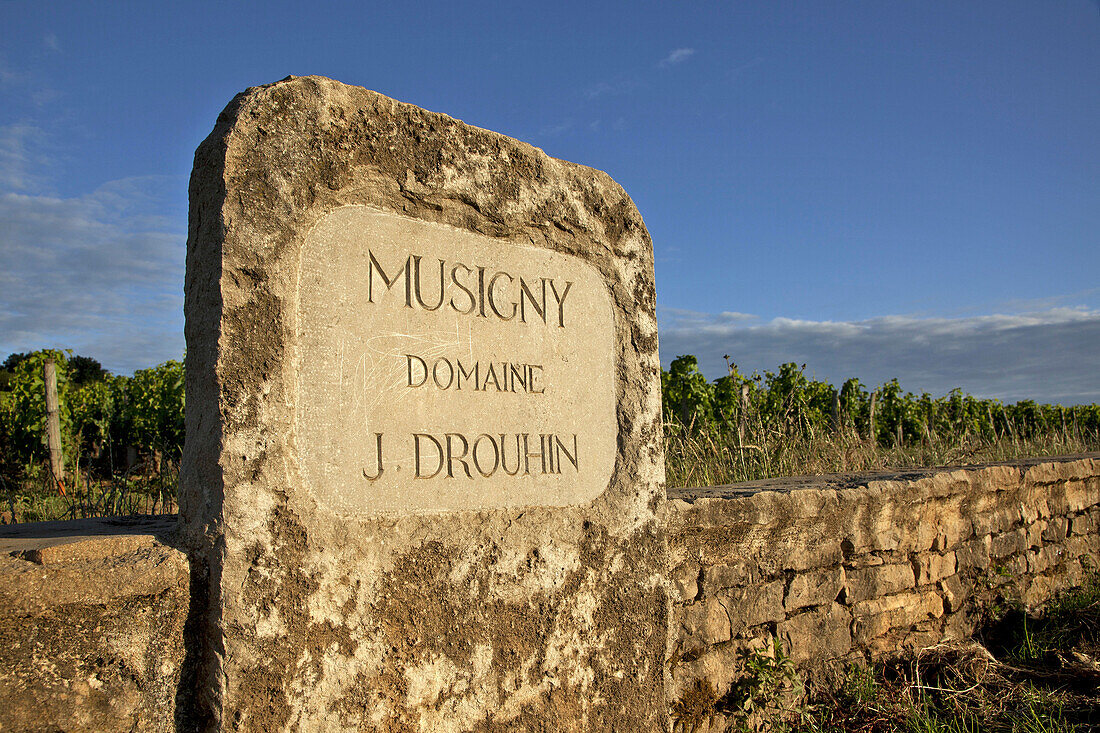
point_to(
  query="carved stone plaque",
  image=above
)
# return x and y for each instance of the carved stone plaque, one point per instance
(441, 370)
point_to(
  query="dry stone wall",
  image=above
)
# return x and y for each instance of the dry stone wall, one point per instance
(850, 568)
(834, 569)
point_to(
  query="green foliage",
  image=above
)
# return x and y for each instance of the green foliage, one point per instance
(769, 686)
(103, 418)
(85, 370)
(23, 408)
(153, 408)
(688, 398)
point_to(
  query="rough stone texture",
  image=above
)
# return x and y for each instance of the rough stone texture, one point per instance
(527, 618)
(91, 625)
(92, 637)
(874, 564)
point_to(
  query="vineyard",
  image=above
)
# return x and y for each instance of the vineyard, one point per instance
(742, 428)
(122, 436)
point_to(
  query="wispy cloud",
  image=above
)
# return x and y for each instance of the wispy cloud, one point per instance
(51, 43)
(558, 129)
(22, 162)
(100, 273)
(676, 56)
(624, 85)
(1047, 355)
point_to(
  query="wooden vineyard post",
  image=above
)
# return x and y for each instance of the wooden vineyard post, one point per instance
(871, 422)
(53, 423)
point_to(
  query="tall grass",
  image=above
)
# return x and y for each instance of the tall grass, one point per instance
(36, 497)
(710, 458)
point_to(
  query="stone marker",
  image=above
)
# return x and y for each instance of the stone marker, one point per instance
(423, 480)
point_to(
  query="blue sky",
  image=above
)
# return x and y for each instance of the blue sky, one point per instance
(875, 189)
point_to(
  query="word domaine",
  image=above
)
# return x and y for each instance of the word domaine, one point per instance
(446, 374)
(453, 455)
(474, 291)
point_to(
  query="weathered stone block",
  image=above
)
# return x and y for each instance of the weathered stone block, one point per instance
(1056, 529)
(974, 554)
(873, 582)
(718, 667)
(716, 578)
(931, 567)
(1082, 524)
(999, 520)
(1082, 546)
(1034, 533)
(755, 605)
(1078, 497)
(1008, 543)
(818, 635)
(1044, 558)
(706, 622)
(875, 617)
(955, 593)
(423, 426)
(685, 579)
(815, 588)
(91, 629)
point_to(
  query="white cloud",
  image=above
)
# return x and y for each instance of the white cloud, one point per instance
(1048, 355)
(677, 56)
(51, 43)
(100, 273)
(21, 159)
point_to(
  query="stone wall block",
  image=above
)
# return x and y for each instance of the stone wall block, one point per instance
(930, 568)
(1056, 499)
(875, 617)
(814, 588)
(955, 593)
(998, 520)
(718, 667)
(1045, 473)
(1042, 559)
(1016, 567)
(817, 552)
(706, 622)
(755, 605)
(1082, 546)
(685, 579)
(1075, 572)
(1082, 524)
(1034, 533)
(719, 577)
(1055, 530)
(863, 584)
(1008, 543)
(818, 635)
(1079, 496)
(974, 554)
(1039, 591)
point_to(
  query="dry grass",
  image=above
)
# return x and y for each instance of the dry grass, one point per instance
(697, 458)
